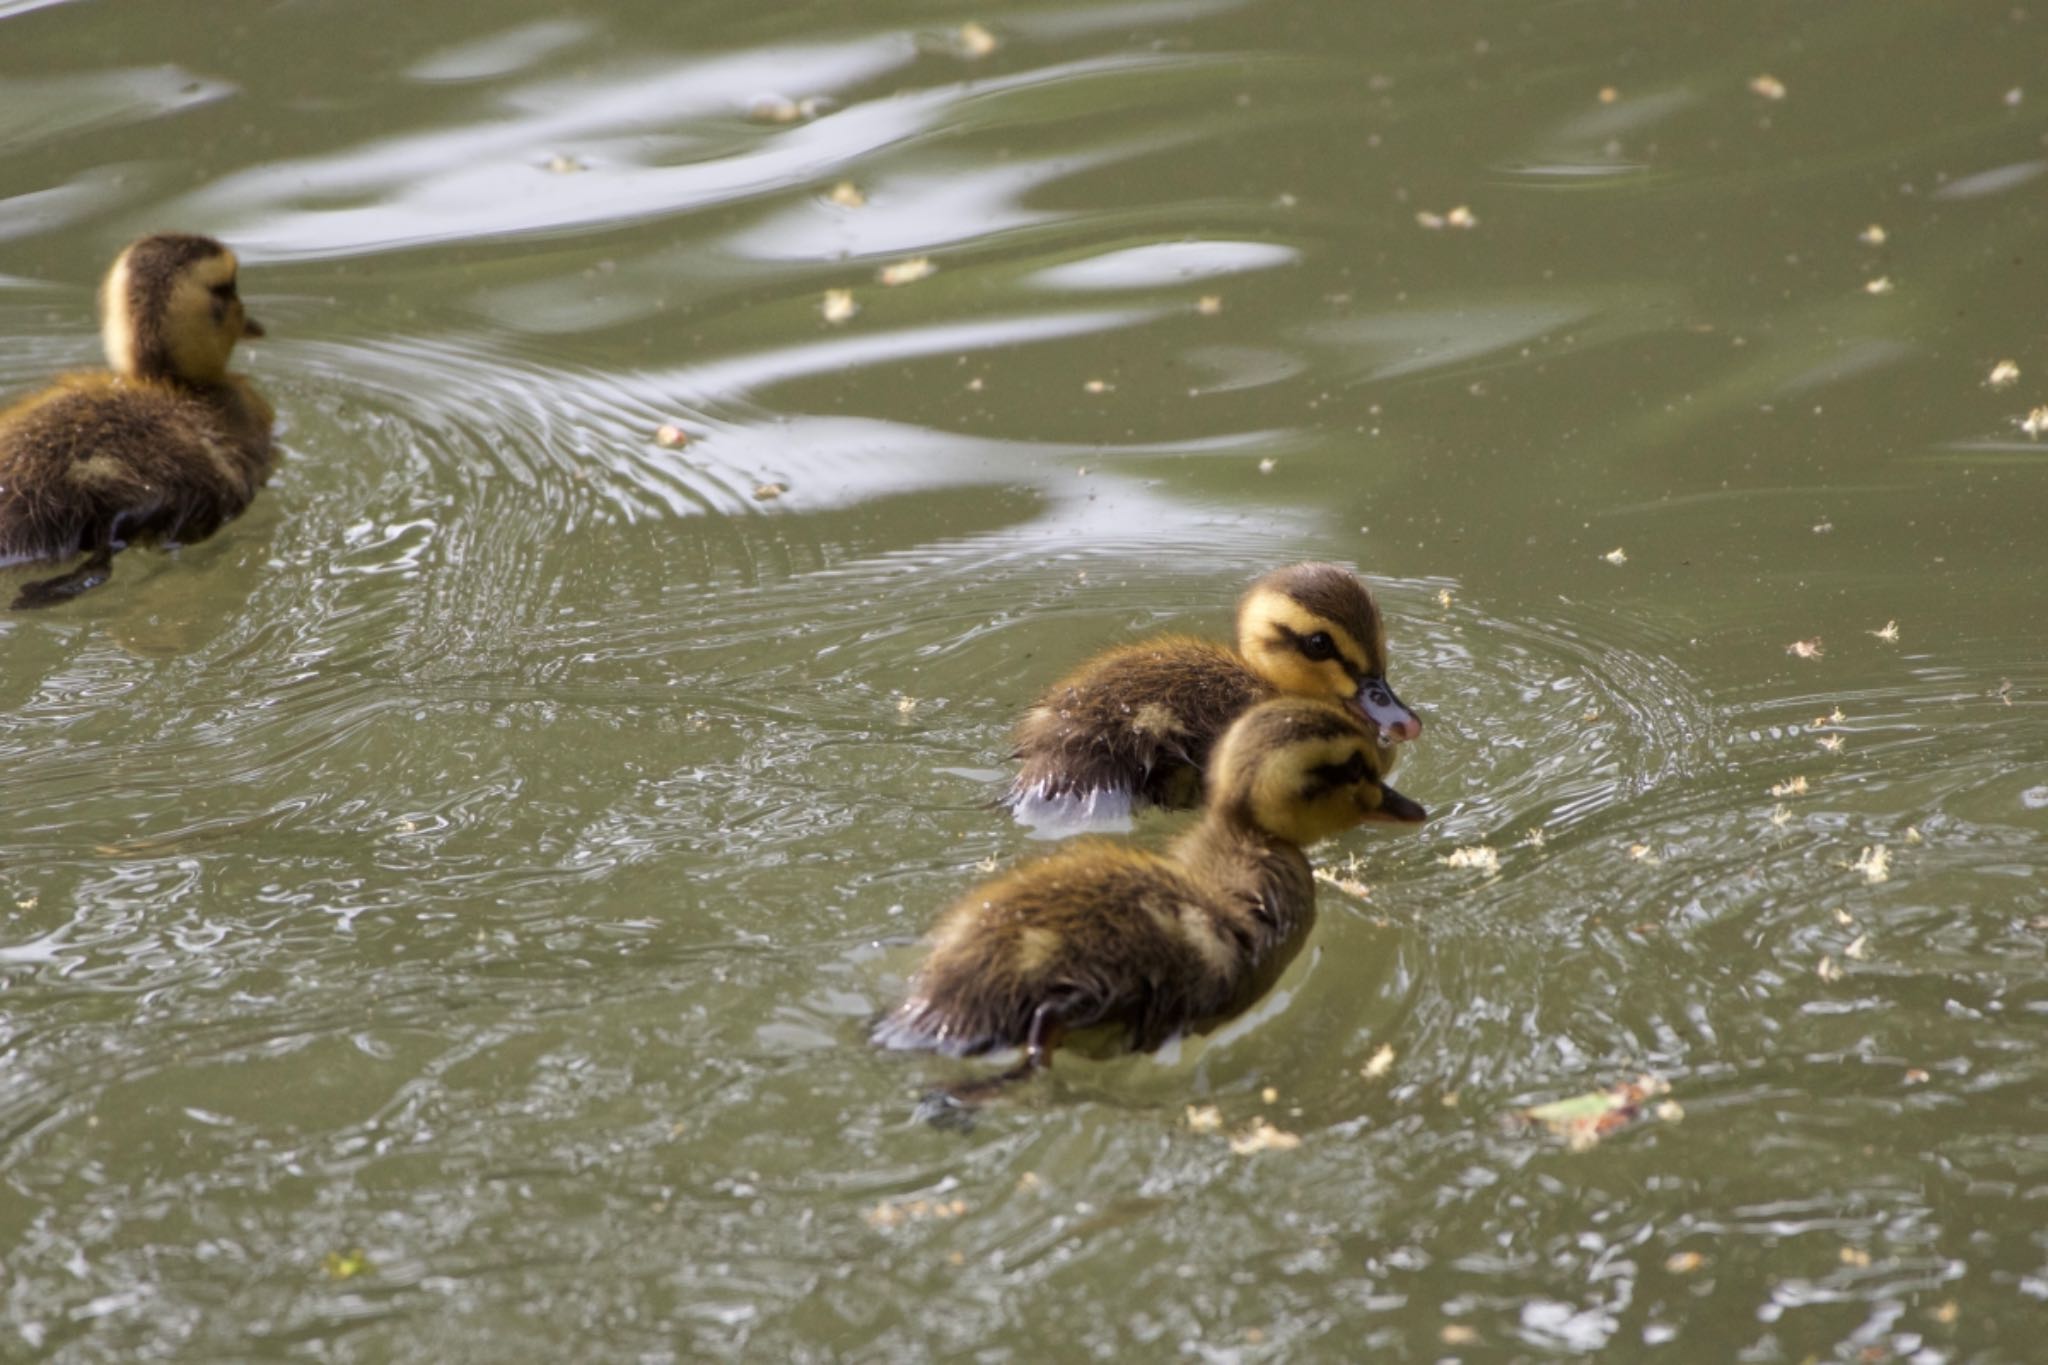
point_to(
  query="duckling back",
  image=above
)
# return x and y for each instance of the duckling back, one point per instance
(96, 459)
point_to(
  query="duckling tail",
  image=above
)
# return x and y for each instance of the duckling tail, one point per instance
(47, 592)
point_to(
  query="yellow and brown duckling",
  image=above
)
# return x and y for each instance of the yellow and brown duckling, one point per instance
(1105, 934)
(164, 444)
(1134, 725)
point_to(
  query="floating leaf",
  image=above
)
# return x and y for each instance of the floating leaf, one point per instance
(1583, 1120)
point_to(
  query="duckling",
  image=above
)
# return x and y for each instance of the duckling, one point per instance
(1101, 933)
(1133, 726)
(165, 443)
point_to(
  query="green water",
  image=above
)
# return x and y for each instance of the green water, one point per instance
(440, 914)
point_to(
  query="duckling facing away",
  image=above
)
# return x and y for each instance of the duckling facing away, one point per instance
(1134, 725)
(1101, 933)
(166, 443)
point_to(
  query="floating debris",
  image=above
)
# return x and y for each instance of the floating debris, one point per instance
(1827, 970)
(1477, 856)
(1843, 917)
(1209, 305)
(2003, 375)
(1915, 1076)
(887, 1215)
(1269, 1095)
(1097, 386)
(1608, 94)
(1770, 87)
(671, 436)
(345, 1265)
(1856, 1258)
(1204, 1118)
(1874, 235)
(1821, 528)
(1780, 816)
(1791, 786)
(838, 305)
(906, 272)
(1350, 886)
(973, 41)
(1583, 1120)
(1460, 218)
(1268, 465)
(1684, 1262)
(1946, 1313)
(1834, 717)
(1875, 863)
(2034, 423)
(1858, 949)
(1263, 1137)
(2014, 96)
(769, 492)
(559, 164)
(1458, 1334)
(1642, 853)
(1806, 649)
(1379, 1064)
(1889, 634)
(1443, 598)
(773, 109)
(1881, 285)
(847, 195)
(1616, 556)
(1832, 743)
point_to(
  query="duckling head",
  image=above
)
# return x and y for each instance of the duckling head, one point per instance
(1314, 630)
(1303, 769)
(169, 310)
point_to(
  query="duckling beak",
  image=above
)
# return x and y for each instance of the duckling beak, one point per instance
(1378, 704)
(1399, 809)
(252, 328)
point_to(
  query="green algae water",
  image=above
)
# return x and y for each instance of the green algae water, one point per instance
(440, 915)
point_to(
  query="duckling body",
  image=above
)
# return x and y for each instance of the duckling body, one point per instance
(1134, 726)
(1101, 933)
(166, 444)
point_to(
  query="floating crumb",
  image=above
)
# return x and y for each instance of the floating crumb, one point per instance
(1268, 465)
(906, 272)
(1204, 1118)
(1684, 1262)
(774, 109)
(973, 41)
(1608, 94)
(1379, 1064)
(1263, 1137)
(1097, 386)
(560, 164)
(1461, 217)
(1881, 285)
(1856, 1258)
(2034, 423)
(1029, 1181)
(769, 492)
(1875, 863)
(1806, 649)
(1827, 970)
(1858, 949)
(1913, 834)
(345, 1265)
(1834, 717)
(1350, 886)
(1791, 786)
(2014, 96)
(905, 704)
(1770, 87)
(1433, 221)
(671, 436)
(1443, 598)
(1945, 1313)
(1458, 1334)
(1617, 555)
(1269, 1095)
(1669, 1111)
(1536, 837)
(1832, 743)
(1874, 235)
(889, 1214)
(1889, 633)
(1583, 1120)
(847, 195)
(1915, 1076)
(838, 305)
(1475, 856)
(1209, 305)
(2003, 375)
(1821, 528)
(1780, 816)
(1843, 917)
(2002, 692)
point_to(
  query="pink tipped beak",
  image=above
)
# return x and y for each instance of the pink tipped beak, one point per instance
(1378, 704)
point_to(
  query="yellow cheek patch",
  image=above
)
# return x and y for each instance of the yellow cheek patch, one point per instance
(117, 323)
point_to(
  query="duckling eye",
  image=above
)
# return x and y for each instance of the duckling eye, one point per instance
(1319, 646)
(225, 292)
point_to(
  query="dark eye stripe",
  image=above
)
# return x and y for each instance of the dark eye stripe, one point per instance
(1358, 672)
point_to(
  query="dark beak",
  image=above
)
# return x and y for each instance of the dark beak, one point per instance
(1378, 704)
(1399, 809)
(251, 327)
